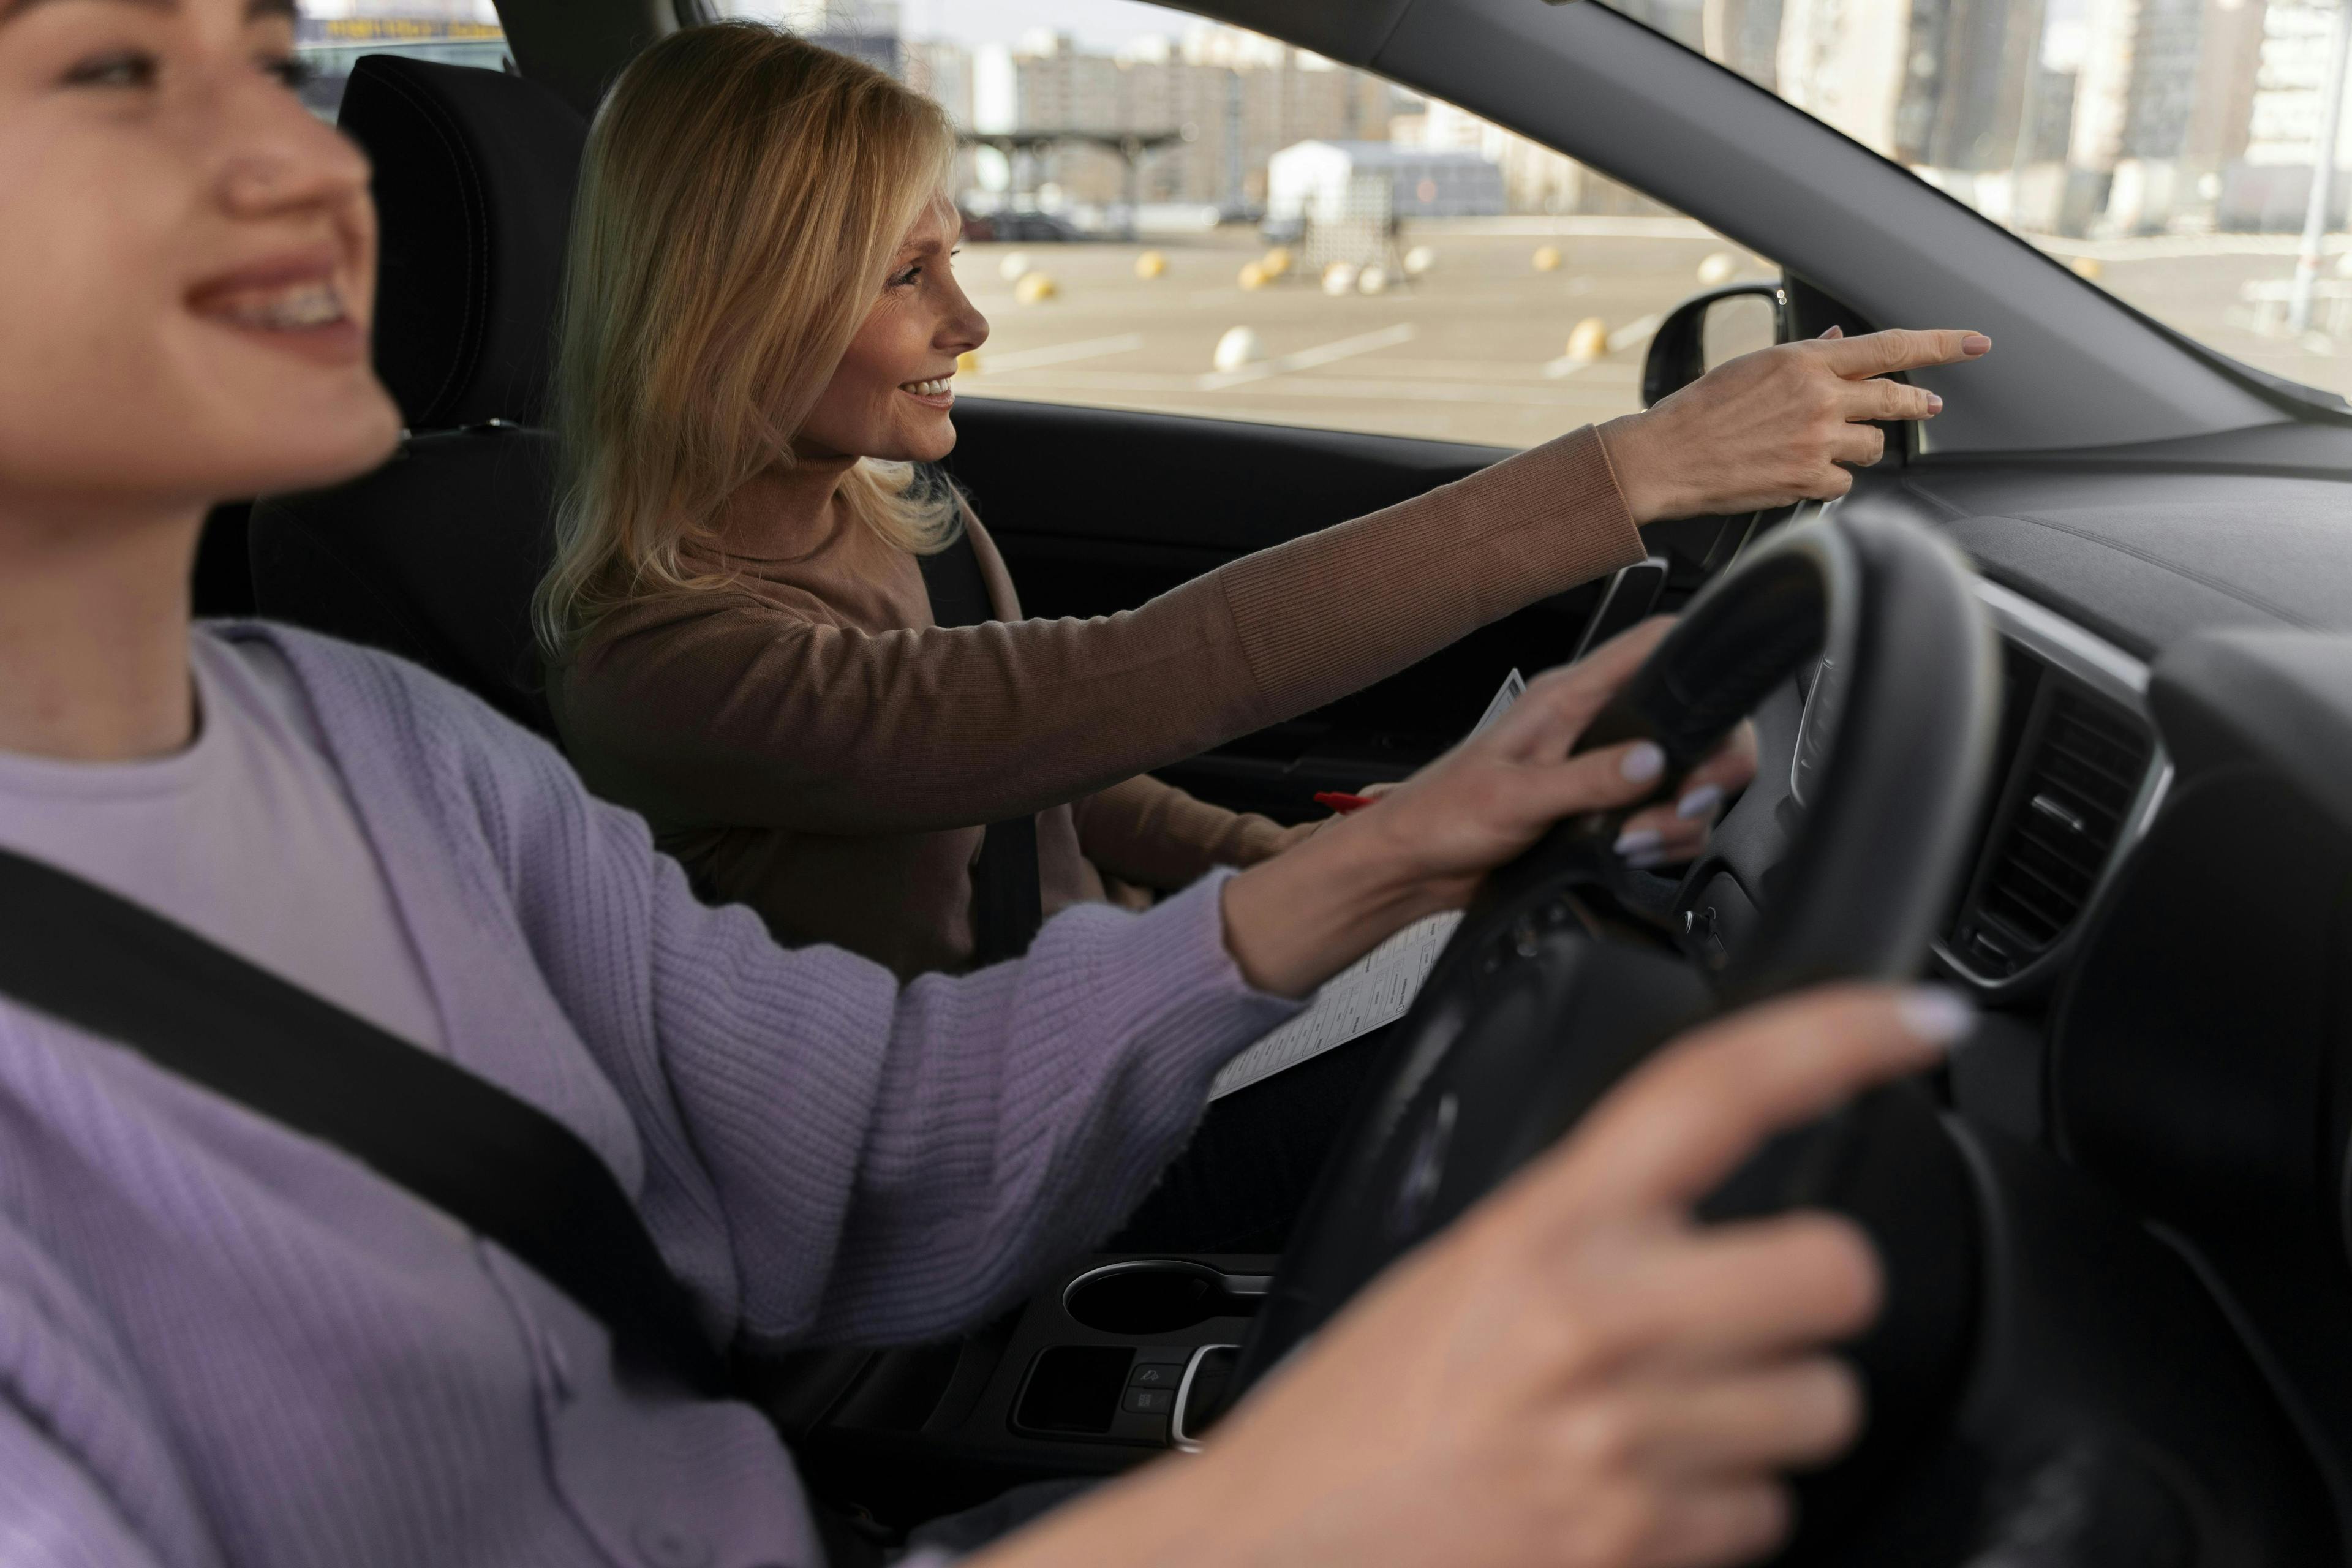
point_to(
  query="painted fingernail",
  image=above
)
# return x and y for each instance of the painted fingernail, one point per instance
(1976, 343)
(1834, 333)
(1936, 1015)
(1638, 841)
(1643, 762)
(1699, 802)
(1935, 403)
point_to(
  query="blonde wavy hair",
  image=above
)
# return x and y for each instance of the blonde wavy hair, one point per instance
(742, 198)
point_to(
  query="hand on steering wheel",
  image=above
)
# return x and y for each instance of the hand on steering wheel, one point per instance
(1293, 920)
(1498, 791)
(1577, 1371)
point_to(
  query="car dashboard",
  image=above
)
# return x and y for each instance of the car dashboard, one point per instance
(2153, 918)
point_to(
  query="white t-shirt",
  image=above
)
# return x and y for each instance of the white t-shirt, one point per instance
(247, 837)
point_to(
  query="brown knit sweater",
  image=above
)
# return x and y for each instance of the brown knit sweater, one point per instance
(809, 742)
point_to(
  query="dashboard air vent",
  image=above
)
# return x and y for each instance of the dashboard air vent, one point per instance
(2079, 769)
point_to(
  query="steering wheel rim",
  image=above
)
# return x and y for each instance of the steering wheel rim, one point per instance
(1470, 1085)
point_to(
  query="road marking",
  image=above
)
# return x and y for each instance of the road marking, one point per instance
(1624, 338)
(1308, 359)
(1060, 354)
(1084, 383)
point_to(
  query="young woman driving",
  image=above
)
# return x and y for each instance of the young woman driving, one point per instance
(225, 1342)
(760, 333)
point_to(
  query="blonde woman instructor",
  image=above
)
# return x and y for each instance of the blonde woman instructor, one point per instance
(759, 341)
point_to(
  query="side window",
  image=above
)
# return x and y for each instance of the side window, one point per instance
(332, 35)
(1167, 213)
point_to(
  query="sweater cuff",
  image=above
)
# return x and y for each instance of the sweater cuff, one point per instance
(1182, 941)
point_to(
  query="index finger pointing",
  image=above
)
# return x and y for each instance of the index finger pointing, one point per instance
(1876, 353)
(1674, 1130)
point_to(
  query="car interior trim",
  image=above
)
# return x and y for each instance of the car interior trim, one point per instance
(2112, 674)
(1235, 1284)
(2056, 640)
(1178, 1438)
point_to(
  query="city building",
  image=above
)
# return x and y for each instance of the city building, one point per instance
(868, 29)
(2080, 116)
(2092, 117)
(1535, 179)
(2268, 186)
(1324, 183)
(1937, 84)
(1219, 102)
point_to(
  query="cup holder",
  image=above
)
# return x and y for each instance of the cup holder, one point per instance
(1159, 1296)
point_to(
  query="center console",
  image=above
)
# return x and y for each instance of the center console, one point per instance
(1123, 1356)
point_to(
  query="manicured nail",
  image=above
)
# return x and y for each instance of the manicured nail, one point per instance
(1638, 841)
(1935, 403)
(1699, 802)
(1976, 343)
(1936, 1015)
(1643, 762)
(1834, 333)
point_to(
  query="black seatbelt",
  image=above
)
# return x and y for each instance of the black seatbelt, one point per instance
(1007, 904)
(495, 1163)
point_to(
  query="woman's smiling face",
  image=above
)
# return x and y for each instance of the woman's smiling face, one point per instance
(187, 261)
(889, 397)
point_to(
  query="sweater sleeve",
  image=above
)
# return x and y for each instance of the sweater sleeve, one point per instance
(720, 709)
(87, 1475)
(54, 1513)
(894, 1165)
(824, 1155)
(1158, 836)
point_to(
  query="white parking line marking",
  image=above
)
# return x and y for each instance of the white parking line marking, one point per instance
(1624, 338)
(1060, 354)
(1308, 359)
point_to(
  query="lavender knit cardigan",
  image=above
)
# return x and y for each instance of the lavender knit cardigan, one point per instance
(221, 1342)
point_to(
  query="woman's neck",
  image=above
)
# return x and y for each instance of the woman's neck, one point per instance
(785, 501)
(94, 617)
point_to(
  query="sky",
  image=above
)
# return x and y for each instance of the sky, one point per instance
(1099, 24)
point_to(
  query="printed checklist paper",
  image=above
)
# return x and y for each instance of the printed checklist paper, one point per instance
(1371, 992)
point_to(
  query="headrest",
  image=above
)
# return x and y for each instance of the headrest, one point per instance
(474, 176)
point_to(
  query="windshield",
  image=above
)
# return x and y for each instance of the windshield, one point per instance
(2161, 148)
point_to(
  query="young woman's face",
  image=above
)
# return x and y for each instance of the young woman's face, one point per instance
(890, 397)
(187, 261)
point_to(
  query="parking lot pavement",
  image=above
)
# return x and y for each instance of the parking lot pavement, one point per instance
(1476, 348)
(1472, 350)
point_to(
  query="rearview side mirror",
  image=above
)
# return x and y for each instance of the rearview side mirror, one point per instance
(1707, 329)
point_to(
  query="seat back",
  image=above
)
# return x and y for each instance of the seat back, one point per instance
(435, 555)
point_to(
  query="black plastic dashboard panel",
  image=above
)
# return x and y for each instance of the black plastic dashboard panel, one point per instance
(2280, 698)
(2201, 1058)
(2143, 557)
(2197, 1069)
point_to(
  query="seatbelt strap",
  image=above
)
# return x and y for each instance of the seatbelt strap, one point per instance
(495, 1163)
(1007, 902)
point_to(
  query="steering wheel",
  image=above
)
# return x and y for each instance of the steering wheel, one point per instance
(1540, 1002)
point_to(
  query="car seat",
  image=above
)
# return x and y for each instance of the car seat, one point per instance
(435, 555)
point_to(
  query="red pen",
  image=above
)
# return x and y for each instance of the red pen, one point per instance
(1343, 803)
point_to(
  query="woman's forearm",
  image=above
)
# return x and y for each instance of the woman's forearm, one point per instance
(1155, 835)
(755, 716)
(1295, 920)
